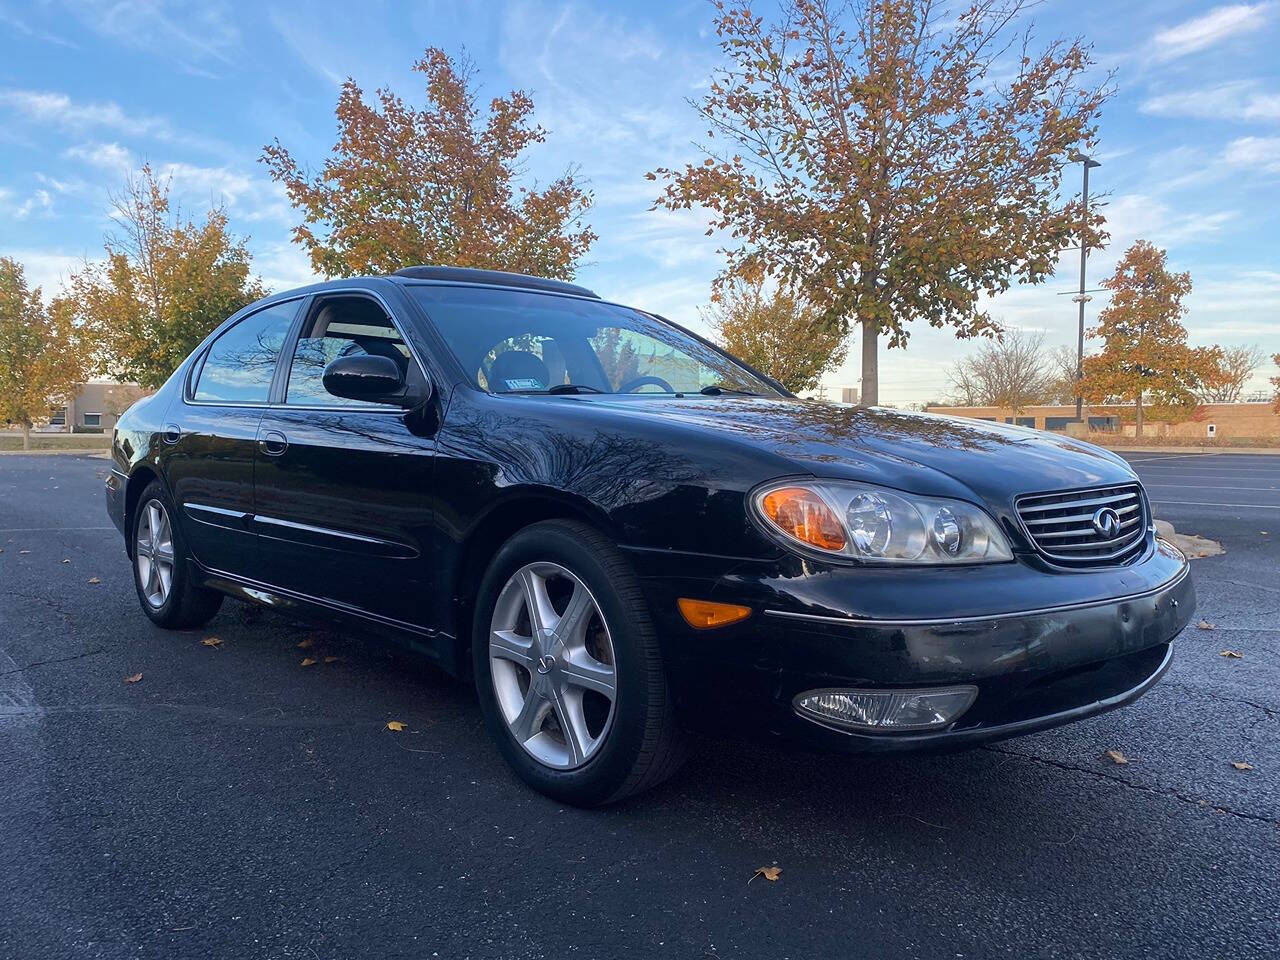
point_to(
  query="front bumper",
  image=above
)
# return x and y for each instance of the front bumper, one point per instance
(1082, 653)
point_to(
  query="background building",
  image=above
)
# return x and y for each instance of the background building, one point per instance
(1212, 421)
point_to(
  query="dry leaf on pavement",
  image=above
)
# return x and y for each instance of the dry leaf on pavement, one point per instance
(212, 641)
(307, 643)
(1204, 625)
(310, 662)
(769, 873)
(1232, 654)
(134, 679)
(395, 725)
(1117, 757)
(1242, 764)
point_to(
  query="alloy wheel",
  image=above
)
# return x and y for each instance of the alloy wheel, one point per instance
(552, 662)
(153, 553)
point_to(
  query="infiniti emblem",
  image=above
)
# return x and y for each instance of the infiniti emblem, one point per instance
(1107, 523)
(547, 661)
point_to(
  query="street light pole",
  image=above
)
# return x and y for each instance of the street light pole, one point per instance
(1081, 297)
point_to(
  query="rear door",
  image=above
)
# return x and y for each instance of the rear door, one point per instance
(211, 437)
(342, 488)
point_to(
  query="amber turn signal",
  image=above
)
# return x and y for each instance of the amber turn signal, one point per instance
(802, 514)
(703, 614)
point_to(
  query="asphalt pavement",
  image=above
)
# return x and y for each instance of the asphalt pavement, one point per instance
(234, 803)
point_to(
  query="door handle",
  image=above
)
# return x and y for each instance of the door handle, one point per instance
(172, 433)
(273, 443)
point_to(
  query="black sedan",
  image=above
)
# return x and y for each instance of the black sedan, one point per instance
(621, 532)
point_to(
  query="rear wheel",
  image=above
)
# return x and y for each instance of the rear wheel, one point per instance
(568, 669)
(161, 572)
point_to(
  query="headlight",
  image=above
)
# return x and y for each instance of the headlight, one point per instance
(863, 522)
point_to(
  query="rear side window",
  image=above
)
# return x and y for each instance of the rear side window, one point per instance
(240, 364)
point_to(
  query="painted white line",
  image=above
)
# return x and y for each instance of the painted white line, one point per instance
(49, 529)
(1202, 486)
(1206, 503)
(1175, 456)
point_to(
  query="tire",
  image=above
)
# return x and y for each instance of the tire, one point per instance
(618, 747)
(185, 603)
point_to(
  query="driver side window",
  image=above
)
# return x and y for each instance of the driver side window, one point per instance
(340, 327)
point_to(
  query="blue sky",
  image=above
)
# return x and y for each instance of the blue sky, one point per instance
(1190, 145)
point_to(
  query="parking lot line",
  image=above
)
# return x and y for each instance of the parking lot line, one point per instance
(1210, 503)
(1203, 486)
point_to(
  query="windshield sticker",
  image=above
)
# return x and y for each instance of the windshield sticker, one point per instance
(528, 384)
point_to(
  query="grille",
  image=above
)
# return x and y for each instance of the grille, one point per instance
(1061, 524)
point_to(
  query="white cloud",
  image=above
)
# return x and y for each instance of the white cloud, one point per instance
(249, 196)
(40, 201)
(184, 32)
(60, 110)
(283, 266)
(1204, 31)
(47, 269)
(109, 156)
(1257, 153)
(1241, 101)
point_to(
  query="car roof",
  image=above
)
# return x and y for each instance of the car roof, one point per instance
(497, 278)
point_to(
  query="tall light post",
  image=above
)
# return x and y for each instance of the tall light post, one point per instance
(1082, 298)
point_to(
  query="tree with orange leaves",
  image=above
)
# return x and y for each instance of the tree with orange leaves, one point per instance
(894, 162)
(1275, 382)
(1145, 357)
(404, 186)
(43, 353)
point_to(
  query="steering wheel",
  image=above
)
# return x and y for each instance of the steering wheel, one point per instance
(635, 383)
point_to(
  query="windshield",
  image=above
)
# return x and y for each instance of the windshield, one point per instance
(516, 341)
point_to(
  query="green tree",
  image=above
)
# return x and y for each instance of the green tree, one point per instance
(43, 353)
(436, 186)
(164, 284)
(894, 161)
(778, 332)
(1145, 357)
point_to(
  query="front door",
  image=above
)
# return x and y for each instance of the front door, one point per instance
(211, 436)
(342, 506)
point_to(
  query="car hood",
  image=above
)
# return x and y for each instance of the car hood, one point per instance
(918, 452)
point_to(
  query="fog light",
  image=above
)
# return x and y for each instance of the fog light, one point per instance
(887, 711)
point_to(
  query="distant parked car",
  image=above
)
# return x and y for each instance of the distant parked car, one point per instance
(621, 532)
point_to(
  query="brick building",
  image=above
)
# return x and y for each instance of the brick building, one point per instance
(1212, 421)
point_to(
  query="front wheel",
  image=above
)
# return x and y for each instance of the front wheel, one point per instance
(161, 572)
(568, 669)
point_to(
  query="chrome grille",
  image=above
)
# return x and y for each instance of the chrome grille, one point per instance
(1062, 526)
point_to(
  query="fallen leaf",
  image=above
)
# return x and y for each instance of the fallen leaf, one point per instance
(94, 580)
(332, 659)
(1205, 625)
(1242, 764)
(310, 662)
(1117, 757)
(395, 725)
(769, 873)
(212, 641)
(134, 679)
(1233, 654)
(306, 644)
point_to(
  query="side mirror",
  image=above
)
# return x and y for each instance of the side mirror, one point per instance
(363, 377)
